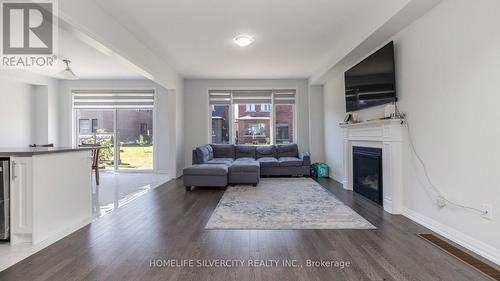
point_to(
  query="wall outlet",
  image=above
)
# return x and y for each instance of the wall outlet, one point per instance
(441, 200)
(487, 211)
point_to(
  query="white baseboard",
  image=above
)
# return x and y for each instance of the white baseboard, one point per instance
(161, 171)
(13, 253)
(486, 251)
(56, 236)
(337, 178)
(340, 179)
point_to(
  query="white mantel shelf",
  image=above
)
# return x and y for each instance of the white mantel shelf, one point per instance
(386, 134)
(371, 123)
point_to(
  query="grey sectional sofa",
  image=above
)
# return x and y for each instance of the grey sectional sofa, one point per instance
(246, 164)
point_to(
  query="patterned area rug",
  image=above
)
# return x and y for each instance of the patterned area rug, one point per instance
(284, 203)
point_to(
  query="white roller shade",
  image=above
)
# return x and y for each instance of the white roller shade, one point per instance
(252, 97)
(113, 99)
(284, 97)
(219, 97)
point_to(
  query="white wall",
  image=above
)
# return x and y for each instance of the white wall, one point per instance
(196, 107)
(316, 124)
(16, 113)
(334, 112)
(44, 103)
(179, 125)
(166, 148)
(41, 120)
(447, 65)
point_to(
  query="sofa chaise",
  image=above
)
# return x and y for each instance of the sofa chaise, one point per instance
(245, 163)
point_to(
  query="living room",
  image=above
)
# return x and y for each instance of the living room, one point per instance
(233, 120)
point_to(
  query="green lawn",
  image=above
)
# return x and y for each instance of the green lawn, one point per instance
(132, 157)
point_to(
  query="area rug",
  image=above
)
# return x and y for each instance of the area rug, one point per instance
(283, 203)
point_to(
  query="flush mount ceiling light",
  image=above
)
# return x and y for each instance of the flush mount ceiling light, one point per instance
(243, 40)
(67, 73)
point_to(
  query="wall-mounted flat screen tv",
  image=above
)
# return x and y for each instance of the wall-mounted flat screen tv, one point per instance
(372, 81)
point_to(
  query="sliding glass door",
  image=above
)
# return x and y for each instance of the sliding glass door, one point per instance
(121, 122)
(134, 131)
(125, 136)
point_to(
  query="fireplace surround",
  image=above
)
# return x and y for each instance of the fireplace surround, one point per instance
(386, 135)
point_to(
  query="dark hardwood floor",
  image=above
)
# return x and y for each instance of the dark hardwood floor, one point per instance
(168, 223)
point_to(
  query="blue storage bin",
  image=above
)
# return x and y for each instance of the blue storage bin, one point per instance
(320, 170)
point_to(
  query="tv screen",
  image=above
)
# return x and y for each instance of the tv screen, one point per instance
(371, 82)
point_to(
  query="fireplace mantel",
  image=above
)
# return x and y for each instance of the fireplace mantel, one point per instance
(385, 134)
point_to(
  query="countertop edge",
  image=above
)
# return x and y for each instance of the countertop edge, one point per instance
(35, 151)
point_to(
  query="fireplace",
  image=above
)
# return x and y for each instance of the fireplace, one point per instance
(367, 172)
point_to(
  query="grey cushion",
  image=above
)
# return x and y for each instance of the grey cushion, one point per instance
(210, 150)
(287, 150)
(224, 161)
(245, 159)
(306, 159)
(206, 170)
(223, 150)
(289, 162)
(204, 153)
(203, 180)
(268, 162)
(265, 151)
(247, 151)
(244, 166)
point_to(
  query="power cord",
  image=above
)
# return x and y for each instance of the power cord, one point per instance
(406, 123)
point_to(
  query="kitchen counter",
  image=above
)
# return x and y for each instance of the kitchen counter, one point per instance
(50, 192)
(30, 151)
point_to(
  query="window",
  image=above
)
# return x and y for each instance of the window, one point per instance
(144, 129)
(220, 123)
(257, 117)
(282, 132)
(284, 123)
(250, 108)
(255, 129)
(251, 127)
(95, 124)
(84, 127)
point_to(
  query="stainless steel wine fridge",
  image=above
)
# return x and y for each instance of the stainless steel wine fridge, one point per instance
(4, 199)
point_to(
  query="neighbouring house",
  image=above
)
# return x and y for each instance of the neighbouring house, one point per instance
(133, 126)
(252, 123)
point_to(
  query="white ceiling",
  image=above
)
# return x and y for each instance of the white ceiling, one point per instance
(86, 61)
(293, 38)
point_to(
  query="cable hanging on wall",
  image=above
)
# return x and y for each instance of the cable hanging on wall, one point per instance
(441, 200)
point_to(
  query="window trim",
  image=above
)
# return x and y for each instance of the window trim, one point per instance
(231, 114)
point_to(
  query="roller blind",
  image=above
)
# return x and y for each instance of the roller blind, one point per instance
(251, 96)
(284, 97)
(219, 97)
(110, 99)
